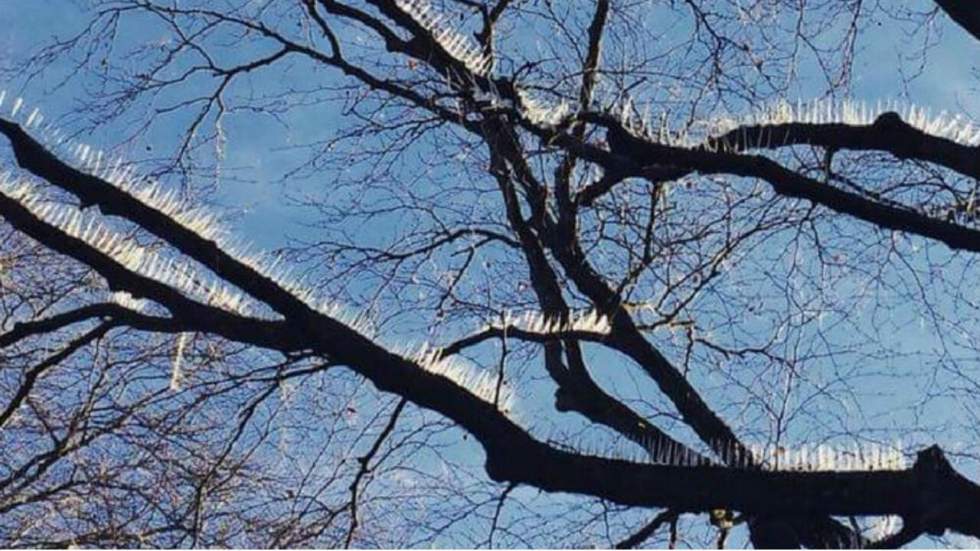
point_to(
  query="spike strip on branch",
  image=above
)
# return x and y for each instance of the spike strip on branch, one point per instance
(822, 458)
(452, 42)
(124, 250)
(585, 321)
(587, 325)
(730, 132)
(114, 201)
(482, 383)
(541, 112)
(291, 298)
(194, 315)
(479, 64)
(91, 166)
(637, 154)
(512, 454)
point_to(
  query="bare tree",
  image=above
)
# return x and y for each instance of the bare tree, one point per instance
(590, 249)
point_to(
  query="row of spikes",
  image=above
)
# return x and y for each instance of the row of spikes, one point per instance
(482, 383)
(181, 276)
(859, 113)
(151, 193)
(122, 249)
(176, 372)
(622, 449)
(591, 321)
(454, 43)
(115, 171)
(543, 113)
(818, 111)
(538, 112)
(821, 458)
(870, 457)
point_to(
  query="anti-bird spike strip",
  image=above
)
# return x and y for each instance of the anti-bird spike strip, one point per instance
(543, 113)
(122, 175)
(151, 193)
(828, 111)
(125, 178)
(818, 111)
(872, 457)
(176, 374)
(586, 321)
(182, 275)
(88, 228)
(482, 383)
(126, 300)
(454, 43)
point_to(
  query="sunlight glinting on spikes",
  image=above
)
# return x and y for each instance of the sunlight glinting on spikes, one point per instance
(176, 373)
(481, 383)
(124, 251)
(587, 321)
(543, 113)
(151, 193)
(453, 42)
(817, 111)
(128, 301)
(821, 458)
(858, 114)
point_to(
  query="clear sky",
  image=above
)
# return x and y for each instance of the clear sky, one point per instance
(258, 150)
(888, 67)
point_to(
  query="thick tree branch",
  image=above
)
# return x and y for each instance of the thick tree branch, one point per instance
(889, 133)
(783, 181)
(965, 13)
(931, 492)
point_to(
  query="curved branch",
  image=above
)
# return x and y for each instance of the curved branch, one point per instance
(782, 180)
(648, 530)
(888, 133)
(932, 493)
(32, 374)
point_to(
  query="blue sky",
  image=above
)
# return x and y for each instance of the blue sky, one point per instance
(259, 149)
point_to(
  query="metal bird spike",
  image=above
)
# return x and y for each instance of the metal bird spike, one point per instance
(176, 375)
(955, 127)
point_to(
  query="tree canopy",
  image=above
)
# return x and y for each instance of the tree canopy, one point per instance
(528, 273)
